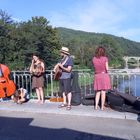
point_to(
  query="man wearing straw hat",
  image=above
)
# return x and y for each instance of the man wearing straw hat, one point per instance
(65, 65)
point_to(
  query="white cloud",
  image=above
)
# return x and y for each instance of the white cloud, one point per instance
(132, 34)
(101, 16)
(16, 19)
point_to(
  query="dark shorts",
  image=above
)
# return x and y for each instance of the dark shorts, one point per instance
(65, 85)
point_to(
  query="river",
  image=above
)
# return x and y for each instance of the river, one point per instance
(131, 86)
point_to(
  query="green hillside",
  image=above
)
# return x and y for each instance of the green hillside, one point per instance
(82, 45)
(18, 41)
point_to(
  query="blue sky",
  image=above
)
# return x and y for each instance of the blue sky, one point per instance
(116, 17)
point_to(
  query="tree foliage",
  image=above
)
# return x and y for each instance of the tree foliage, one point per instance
(83, 45)
(18, 41)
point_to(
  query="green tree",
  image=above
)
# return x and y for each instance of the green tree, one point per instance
(114, 51)
(39, 37)
(5, 29)
(18, 41)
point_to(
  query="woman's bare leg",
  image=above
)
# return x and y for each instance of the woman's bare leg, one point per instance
(38, 94)
(103, 97)
(97, 97)
(41, 92)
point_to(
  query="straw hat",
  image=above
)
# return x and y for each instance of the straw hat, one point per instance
(65, 50)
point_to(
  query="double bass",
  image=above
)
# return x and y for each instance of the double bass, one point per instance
(7, 86)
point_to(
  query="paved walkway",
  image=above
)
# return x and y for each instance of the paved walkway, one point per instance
(52, 108)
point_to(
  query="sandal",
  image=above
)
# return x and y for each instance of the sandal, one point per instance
(68, 107)
(62, 105)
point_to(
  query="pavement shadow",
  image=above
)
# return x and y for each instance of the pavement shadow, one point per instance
(138, 119)
(20, 129)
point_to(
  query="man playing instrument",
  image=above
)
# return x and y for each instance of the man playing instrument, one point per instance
(65, 65)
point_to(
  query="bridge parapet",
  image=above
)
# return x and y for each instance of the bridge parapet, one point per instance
(124, 80)
(137, 70)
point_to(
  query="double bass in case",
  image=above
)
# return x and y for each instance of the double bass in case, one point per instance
(7, 86)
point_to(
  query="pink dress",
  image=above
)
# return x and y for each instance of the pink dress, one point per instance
(101, 77)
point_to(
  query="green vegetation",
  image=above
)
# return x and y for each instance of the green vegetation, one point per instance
(18, 41)
(83, 45)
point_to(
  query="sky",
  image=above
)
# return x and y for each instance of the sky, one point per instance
(116, 17)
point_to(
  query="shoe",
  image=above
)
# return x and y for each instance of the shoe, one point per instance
(68, 107)
(62, 105)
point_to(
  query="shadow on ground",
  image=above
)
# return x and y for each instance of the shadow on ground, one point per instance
(138, 119)
(20, 129)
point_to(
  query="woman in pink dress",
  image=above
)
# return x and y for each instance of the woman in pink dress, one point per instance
(101, 77)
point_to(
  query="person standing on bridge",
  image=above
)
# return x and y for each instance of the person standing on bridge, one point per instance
(101, 81)
(66, 65)
(37, 70)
